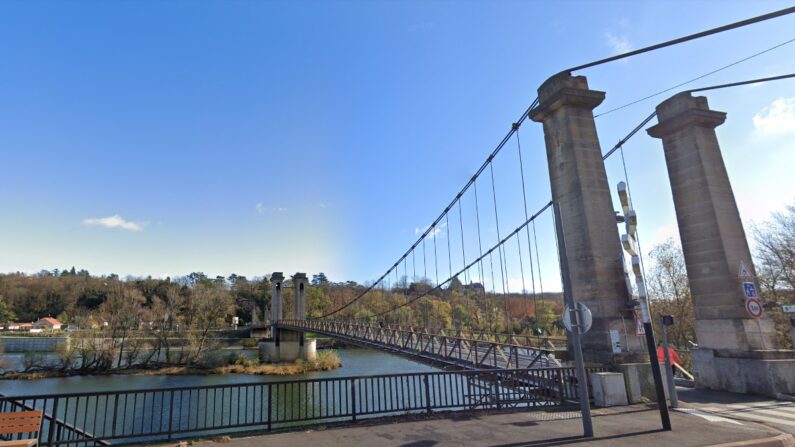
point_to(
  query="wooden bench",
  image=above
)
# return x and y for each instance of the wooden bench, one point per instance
(22, 423)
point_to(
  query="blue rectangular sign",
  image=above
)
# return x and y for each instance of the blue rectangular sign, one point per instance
(750, 290)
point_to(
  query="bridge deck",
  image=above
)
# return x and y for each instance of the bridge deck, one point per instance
(436, 346)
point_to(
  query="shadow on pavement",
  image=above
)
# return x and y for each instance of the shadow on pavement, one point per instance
(574, 439)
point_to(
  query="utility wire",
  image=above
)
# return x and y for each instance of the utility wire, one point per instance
(687, 38)
(632, 103)
(736, 84)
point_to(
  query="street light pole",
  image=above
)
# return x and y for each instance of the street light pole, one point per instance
(628, 242)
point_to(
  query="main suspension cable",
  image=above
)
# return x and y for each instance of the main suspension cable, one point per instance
(687, 38)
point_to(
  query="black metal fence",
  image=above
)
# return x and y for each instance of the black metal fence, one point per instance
(101, 418)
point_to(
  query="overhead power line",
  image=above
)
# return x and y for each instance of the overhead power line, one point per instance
(736, 84)
(687, 38)
(695, 79)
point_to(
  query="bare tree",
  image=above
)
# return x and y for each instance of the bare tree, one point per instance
(669, 291)
(775, 266)
(122, 312)
(206, 309)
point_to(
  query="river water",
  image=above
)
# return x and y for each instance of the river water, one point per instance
(129, 408)
(355, 362)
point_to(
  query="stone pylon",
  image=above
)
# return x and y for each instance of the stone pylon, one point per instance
(736, 351)
(277, 307)
(299, 287)
(580, 188)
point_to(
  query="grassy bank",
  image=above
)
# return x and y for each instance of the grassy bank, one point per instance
(325, 361)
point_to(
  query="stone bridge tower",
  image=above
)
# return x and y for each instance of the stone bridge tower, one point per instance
(737, 349)
(580, 188)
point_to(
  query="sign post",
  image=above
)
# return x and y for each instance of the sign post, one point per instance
(668, 320)
(573, 312)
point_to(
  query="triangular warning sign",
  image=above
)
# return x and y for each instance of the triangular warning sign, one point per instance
(745, 272)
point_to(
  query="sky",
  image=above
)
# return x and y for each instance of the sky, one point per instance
(163, 138)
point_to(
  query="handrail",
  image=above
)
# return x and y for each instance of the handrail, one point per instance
(14, 400)
(245, 384)
(161, 414)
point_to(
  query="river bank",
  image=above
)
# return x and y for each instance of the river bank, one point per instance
(356, 362)
(326, 361)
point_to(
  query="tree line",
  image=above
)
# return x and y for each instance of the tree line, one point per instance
(196, 304)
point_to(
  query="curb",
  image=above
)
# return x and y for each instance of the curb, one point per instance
(782, 440)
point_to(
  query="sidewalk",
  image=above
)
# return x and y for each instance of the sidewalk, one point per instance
(631, 426)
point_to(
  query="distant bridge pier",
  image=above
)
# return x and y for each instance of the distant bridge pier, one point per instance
(737, 352)
(287, 345)
(299, 287)
(579, 185)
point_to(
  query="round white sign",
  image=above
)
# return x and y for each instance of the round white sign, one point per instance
(585, 317)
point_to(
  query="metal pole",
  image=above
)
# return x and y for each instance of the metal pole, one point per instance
(630, 219)
(568, 298)
(669, 372)
(655, 372)
(792, 324)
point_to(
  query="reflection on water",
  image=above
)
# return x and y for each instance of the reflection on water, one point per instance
(356, 362)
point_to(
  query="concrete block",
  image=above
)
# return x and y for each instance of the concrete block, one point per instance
(766, 373)
(608, 389)
(309, 351)
(640, 382)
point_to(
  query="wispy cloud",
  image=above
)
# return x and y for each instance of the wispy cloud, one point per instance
(776, 119)
(433, 233)
(618, 43)
(262, 209)
(114, 221)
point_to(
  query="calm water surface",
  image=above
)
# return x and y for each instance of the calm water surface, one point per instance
(355, 362)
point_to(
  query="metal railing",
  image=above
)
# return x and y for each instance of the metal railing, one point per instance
(539, 341)
(437, 346)
(134, 416)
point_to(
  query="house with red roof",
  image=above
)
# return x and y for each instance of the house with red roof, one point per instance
(48, 324)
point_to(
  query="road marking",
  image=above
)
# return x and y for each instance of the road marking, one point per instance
(709, 417)
(754, 415)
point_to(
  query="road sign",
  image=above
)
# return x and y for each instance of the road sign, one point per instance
(585, 317)
(749, 289)
(753, 307)
(788, 308)
(668, 320)
(745, 272)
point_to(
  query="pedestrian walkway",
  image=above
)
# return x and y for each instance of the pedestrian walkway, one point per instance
(631, 426)
(774, 413)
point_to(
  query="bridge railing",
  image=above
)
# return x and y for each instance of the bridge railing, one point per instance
(449, 349)
(538, 341)
(51, 425)
(155, 415)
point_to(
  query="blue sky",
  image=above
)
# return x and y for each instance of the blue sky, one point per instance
(168, 137)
